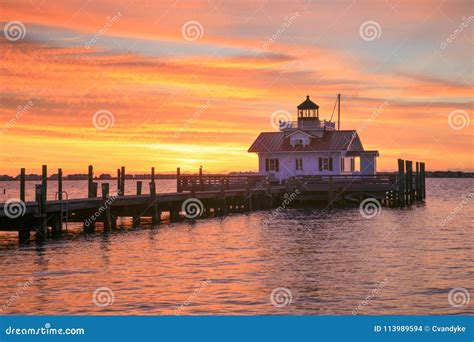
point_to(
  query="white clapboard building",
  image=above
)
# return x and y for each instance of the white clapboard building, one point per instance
(311, 146)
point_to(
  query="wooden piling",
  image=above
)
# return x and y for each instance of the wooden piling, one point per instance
(201, 183)
(330, 191)
(417, 181)
(153, 174)
(223, 197)
(94, 189)
(423, 185)
(119, 182)
(60, 184)
(401, 182)
(155, 214)
(122, 181)
(22, 184)
(193, 187)
(269, 193)
(409, 182)
(106, 204)
(136, 217)
(178, 180)
(23, 234)
(44, 182)
(248, 196)
(90, 181)
(42, 229)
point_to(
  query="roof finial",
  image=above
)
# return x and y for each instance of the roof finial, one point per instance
(307, 96)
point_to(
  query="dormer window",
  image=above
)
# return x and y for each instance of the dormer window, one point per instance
(297, 142)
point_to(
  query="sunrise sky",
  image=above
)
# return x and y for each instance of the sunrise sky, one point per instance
(189, 83)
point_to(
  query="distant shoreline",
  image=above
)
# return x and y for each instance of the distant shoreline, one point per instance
(107, 177)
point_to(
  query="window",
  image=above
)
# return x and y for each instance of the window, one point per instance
(272, 164)
(325, 164)
(299, 164)
(347, 164)
(297, 142)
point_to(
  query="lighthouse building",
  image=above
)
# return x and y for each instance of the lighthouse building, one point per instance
(310, 146)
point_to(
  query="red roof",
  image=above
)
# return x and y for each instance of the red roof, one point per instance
(332, 141)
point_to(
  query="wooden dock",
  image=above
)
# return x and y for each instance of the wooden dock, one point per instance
(201, 195)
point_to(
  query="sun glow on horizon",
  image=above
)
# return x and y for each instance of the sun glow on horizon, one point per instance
(172, 100)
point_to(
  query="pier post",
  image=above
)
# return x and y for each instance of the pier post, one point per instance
(106, 205)
(44, 182)
(60, 184)
(269, 192)
(122, 181)
(201, 184)
(119, 182)
(330, 191)
(178, 180)
(90, 181)
(42, 229)
(193, 187)
(23, 234)
(223, 205)
(139, 188)
(417, 181)
(155, 213)
(401, 182)
(22, 184)
(423, 185)
(409, 181)
(136, 217)
(56, 225)
(248, 195)
(94, 189)
(152, 175)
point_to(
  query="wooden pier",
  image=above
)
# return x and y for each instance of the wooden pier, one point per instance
(206, 195)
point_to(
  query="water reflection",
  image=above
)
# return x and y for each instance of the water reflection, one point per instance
(404, 261)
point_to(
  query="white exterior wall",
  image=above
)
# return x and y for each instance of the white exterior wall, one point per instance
(310, 164)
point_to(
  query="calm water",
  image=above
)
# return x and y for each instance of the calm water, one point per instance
(78, 188)
(402, 261)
